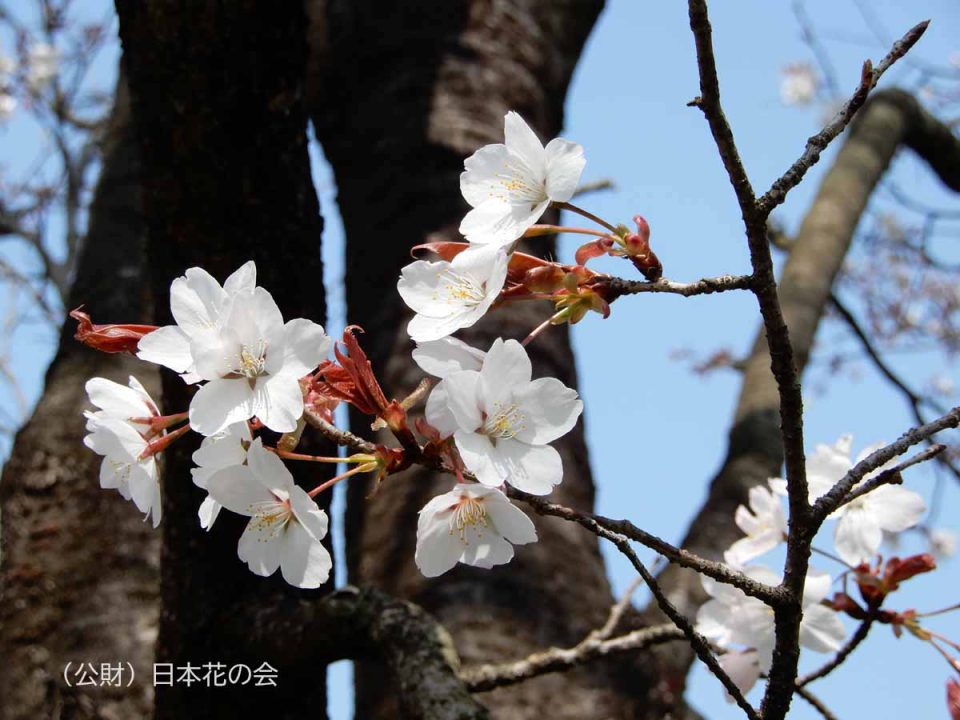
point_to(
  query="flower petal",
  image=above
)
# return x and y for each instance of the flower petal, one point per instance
(462, 399)
(447, 355)
(236, 489)
(168, 346)
(858, 536)
(550, 410)
(312, 518)
(524, 143)
(278, 402)
(509, 520)
(532, 468)
(305, 345)
(219, 403)
(476, 451)
(304, 561)
(564, 166)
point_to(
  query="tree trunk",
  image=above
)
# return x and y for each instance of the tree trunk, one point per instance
(70, 549)
(890, 120)
(217, 95)
(416, 88)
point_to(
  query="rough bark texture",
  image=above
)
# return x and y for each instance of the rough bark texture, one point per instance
(406, 91)
(890, 120)
(216, 92)
(80, 568)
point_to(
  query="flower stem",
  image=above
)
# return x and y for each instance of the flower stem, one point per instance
(537, 230)
(158, 445)
(589, 215)
(537, 330)
(309, 458)
(334, 480)
(832, 557)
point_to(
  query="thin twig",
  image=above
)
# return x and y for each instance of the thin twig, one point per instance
(843, 653)
(912, 398)
(832, 499)
(893, 475)
(816, 702)
(718, 571)
(488, 677)
(617, 287)
(818, 143)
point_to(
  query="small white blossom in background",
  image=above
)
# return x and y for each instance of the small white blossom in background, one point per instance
(253, 364)
(43, 63)
(943, 385)
(471, 524)
(765, 525)
(731, 617)
(122, 443)
(861, 522)
(449, 296)
(286, 526)
(798, 84)
(8, 104)
(198, 305)
(510, 185)
(441, 358)
(505, 420)
(943, 542)
(217, 452)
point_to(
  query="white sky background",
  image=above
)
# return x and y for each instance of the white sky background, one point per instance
(657, 432)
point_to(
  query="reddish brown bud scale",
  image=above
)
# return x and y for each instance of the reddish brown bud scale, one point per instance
(109, 338)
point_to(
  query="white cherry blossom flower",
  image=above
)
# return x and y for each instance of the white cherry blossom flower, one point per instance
(253, 363)
(510, 185)
(943, 542)
(798, 84)
(43, 63)
(441, 358)
(8, 104)
(127, 465)
(731, 617)
(448, 296)
(225, 449)
(765, 525)
(472, 524)
(505, 420)
(198, 304)
(861, 522)
(286, 526)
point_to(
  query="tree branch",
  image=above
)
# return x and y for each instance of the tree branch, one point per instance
(618, 287)
(488, 677)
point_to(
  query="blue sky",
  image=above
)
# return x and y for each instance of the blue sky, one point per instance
(627, 106)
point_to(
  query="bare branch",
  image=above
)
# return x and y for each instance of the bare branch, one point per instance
(818, 143)
(893, 475)
(706, 286)
(488, 677)
(599, 524)
(835, 497)
(816, 703)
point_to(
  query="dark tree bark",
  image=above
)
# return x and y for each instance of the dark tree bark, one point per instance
(402, 93)
(217, 96)
(891, 120)
(80, 567)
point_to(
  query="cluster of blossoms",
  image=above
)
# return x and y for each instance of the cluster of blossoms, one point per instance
(487, 421)
(744, 626)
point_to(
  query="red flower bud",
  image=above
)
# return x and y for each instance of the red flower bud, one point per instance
(109, 338)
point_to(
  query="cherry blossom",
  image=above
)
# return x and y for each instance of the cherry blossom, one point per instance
(510, 185)
(197, 303)
(943, 542)
(253, 363)
(505, 420)
(128, 465)
(225, 449)
(798, 84)
(472, 524)
(861, 522)
(448, 296)
(765, 525)
(731, 617)
(286, 526)
(43, 63)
